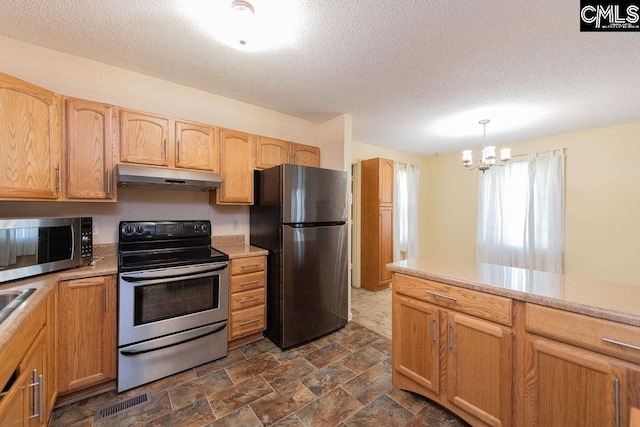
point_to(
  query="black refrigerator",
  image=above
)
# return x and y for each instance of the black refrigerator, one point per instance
(300, 216)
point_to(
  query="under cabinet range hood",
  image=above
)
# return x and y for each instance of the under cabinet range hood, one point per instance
(139, 176)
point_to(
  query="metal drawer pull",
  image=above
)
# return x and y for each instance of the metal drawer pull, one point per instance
(250, 321)
(436, 294)
(250, 265)
(253, 282)
(621, 344)
(449, 327)
(433, 331)
(249, 299)
(36, 395)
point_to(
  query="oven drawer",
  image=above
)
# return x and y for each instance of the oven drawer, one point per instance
(247, 265)
(247, 321)
(247, 299)
(246, 282)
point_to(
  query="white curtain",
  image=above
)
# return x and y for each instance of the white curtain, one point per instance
(405, 212)
(521, 214)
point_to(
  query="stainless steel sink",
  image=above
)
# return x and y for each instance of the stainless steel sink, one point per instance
(11, 299)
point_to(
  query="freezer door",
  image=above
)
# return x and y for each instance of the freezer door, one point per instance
(313, 195)
(315, 284)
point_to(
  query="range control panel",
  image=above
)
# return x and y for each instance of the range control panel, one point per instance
(144, 230)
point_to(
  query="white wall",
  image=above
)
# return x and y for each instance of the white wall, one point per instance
(83, 78)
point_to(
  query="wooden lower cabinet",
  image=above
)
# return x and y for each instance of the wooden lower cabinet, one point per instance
(247, 300)
(462, 362)
(86, 332)
(569, 386)
(27, 399)
(479, 367)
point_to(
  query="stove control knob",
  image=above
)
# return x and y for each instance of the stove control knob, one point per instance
(204, 228)
(139, 229)
(128, 230)
(196, 227)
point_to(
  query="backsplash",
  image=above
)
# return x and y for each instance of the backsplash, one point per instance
(137, 205)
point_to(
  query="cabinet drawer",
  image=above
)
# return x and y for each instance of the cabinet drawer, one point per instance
(247, 265)
(491, 307)
(588, 332)
(246, 282)
(247, 321)
(246, 299)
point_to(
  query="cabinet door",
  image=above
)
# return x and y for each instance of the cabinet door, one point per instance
(568, 386)
(416, 342)
(34, 397)
(306, 155)
(30, 140)
(237, 162)
(196, 146)
(479, 368)
(86, 332)
(386, 182)
(271, 152)
(12, 407)
(143, 138)
(90, 144)
(386, 244)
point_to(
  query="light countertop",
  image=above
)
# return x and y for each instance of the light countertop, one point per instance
(606, 300)
(241, 250)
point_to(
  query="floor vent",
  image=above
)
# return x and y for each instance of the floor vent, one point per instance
(125, 405)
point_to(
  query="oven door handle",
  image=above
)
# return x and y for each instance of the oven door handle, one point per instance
(158, 276)
(142, 348)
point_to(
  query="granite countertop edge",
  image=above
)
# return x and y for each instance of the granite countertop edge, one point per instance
(236, 251)
(575, 307)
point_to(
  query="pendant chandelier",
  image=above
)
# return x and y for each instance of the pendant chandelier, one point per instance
(488, 153)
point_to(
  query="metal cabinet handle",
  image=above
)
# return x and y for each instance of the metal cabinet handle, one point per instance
(433, 331)
(58, 183)
(36, 382)
(253, 282)
(165, 149)
(41, 398)
(178, 150)
(449, 329)
(250, 265)
(621, 344)
(108, 181)
(106, 292)
(250, 321)
(616, 386)
(249, 299)
(436, 294)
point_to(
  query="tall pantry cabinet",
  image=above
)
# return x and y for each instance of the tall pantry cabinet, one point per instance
(376, 223)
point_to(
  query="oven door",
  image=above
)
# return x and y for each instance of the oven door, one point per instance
(155, 303)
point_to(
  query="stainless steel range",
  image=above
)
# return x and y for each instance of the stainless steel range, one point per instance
(173, 300)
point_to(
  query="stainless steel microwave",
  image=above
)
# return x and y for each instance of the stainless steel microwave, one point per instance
(32, 246)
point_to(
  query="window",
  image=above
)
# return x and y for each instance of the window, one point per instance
(405, 215)
(521, 214)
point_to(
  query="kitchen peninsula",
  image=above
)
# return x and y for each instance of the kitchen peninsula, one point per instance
(508, 346)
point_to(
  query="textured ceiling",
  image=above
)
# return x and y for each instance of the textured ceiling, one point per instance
(416, 75)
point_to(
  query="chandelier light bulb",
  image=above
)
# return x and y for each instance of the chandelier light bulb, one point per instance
(488, 153)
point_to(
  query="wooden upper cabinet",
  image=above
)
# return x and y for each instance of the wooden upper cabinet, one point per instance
(271, 152)
(237, 162)
(386, 182)
(306, 155)
(30, 140)
(196, 146)
(91, 135)
(144, 138)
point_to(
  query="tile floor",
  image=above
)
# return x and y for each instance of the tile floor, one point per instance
(342, 379)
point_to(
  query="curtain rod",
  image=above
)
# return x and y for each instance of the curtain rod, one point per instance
(540, 153)
(407, 164)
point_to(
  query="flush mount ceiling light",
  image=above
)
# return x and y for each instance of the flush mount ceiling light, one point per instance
(248, 25)
(488, 153)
